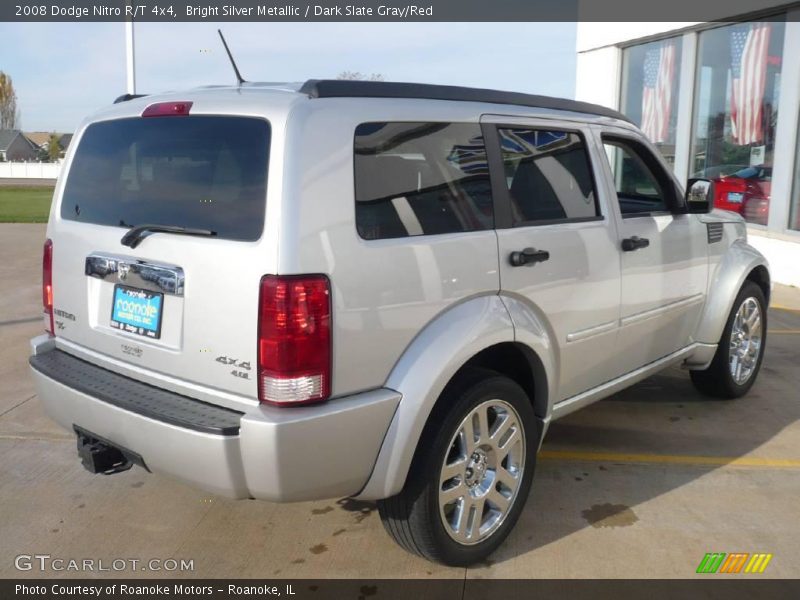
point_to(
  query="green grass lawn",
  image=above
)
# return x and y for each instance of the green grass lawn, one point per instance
(25, 204)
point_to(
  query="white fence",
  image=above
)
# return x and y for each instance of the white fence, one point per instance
(29, 170)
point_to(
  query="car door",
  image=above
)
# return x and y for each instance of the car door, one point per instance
(664, 266)
(557, 242)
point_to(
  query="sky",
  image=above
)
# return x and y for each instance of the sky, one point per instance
(64, 71)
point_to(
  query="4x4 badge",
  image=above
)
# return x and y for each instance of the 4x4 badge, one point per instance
(233, 361)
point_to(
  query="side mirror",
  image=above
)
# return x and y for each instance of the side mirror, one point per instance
(700, 195)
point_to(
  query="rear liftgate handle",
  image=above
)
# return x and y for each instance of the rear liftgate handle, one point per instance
(528, 256)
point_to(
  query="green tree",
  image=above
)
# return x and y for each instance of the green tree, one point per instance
(53, 148)
(9, 115)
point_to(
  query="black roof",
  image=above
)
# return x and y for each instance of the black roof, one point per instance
(338, 88)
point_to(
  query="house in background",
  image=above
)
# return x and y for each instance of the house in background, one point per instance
(64, 141)
(41, 139)
(14, 146)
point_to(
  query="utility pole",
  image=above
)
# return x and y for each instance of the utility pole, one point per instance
(130, 57)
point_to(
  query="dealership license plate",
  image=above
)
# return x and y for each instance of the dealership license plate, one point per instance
(735, 197)
(137, 311)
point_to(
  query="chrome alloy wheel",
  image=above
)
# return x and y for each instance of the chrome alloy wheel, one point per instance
(746, 336)
(481, 472)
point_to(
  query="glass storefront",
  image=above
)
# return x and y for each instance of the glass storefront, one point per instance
(737, 85)
(650, 80)
(794, 207)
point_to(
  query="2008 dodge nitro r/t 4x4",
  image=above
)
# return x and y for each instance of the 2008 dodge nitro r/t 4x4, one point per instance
(378, 290)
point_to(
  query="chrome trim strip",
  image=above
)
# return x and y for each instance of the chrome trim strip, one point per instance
(655, 312)
(582, 334)
(156, 277)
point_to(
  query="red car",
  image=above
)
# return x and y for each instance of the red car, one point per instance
(746, 192)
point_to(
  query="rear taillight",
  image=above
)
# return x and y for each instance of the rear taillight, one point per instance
(47, 286)
(294, 339)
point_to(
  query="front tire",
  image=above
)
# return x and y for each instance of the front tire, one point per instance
(738, 359)
(471, 474)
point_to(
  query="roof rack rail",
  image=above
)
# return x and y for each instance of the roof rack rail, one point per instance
(126, 97)
(335, 88)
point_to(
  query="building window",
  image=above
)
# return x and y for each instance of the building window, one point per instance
(794, 209)
(735, 114)
(650, 81)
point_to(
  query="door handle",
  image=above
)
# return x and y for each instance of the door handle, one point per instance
(634, 243)
(528, 256)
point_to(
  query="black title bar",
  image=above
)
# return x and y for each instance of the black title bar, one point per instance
(167, 11)
(710, 588)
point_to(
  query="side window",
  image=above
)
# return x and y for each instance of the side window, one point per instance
(548, 175)
(421, 179)
(641, 184)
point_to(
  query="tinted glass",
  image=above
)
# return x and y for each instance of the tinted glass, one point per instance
(548, 175)
(638, 187)
(650, 86)
(200, 172)
(737, 87)
(420, 179)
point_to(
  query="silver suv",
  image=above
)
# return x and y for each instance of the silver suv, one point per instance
(375, 290)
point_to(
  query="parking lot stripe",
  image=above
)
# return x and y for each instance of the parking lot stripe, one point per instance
(20, 321)
(674, 459)
(786, 308)
(783, 331)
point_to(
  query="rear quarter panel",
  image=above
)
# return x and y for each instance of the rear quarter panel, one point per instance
(384, 292)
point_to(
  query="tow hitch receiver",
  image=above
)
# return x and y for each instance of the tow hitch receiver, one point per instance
(98, 456)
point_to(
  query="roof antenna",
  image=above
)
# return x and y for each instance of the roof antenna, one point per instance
(239, 78)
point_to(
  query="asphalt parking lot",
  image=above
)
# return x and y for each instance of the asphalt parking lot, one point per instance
(640, 485)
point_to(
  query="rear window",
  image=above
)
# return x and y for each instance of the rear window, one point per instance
(421, 179)
(198, 172)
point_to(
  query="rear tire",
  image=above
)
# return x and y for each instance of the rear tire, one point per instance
(462, 498)
(738, 359)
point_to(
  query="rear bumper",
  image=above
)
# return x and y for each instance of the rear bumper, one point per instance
(278, 454)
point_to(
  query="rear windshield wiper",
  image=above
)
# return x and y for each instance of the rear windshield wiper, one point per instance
(136, 234)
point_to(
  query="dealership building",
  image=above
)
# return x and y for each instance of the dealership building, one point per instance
(720, 100)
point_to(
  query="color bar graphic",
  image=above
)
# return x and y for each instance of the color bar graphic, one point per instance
(721, 562)
(758, 563)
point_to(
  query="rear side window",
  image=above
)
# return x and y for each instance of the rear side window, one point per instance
(199, 172)
(548, 176)
(421, 179)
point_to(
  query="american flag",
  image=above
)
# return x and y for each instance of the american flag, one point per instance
(659, 72)
(749, 46)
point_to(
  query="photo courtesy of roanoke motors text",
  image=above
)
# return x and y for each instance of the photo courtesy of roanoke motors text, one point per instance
(443, 299)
